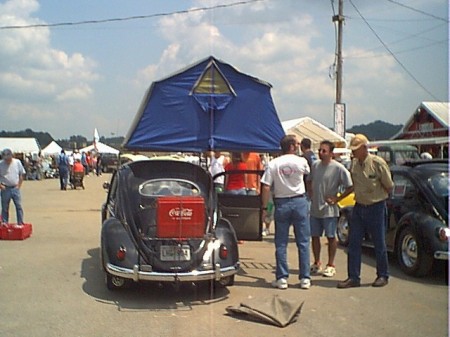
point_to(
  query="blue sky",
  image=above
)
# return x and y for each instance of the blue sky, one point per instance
(68, 80)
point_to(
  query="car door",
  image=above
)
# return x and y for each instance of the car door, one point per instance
(243, 211)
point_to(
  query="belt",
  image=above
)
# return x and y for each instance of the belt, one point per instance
(10, 186)
(295, 196)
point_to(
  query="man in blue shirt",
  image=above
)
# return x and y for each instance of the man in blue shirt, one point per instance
(63, 167)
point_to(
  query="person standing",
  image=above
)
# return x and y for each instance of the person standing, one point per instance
(235, 182)
(253, 162)
(308, 154)
(63, 168)
(324, 181)
(285, 174)
(12, 175)
(372, 183)
(217, 166)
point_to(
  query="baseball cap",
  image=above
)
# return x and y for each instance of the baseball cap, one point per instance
(358, 141)
(7, 153)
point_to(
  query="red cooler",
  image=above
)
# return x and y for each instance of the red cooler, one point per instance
(14, 232)
(180, 217)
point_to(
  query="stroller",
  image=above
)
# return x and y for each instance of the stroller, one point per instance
(76, 180)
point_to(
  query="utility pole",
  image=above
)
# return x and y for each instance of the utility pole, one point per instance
(339, 107)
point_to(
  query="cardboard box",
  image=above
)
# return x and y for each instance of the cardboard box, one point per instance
(180, 217)
(14, 232)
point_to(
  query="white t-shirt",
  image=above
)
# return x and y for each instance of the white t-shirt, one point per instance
(9, 174)
(216, 168)
(285, 173)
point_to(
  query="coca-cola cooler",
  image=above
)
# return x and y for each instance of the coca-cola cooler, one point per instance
(180, 217)
(14, 232)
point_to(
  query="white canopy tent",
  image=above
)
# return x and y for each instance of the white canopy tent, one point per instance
(307, 127)
(100, 148)
(20, 145)
(51, 149)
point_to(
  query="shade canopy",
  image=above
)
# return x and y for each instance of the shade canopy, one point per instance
(207, 106)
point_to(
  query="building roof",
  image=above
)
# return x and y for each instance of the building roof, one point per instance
(438, 110)
(20, 144)
(307, 127)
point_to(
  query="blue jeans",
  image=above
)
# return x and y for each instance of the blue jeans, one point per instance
(370, 219)
(291, 211)
(11, 193)
(63, 177)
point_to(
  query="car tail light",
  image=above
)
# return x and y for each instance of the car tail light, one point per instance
(223, 252)
(121, 252)
(444, 234)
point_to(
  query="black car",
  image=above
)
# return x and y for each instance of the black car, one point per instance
(160, 223)
(417, 216)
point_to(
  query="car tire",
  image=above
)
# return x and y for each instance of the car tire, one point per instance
(411, 255)
(114, 282)
(342, 229)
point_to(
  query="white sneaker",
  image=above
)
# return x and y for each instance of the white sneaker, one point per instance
(329, 271)
(305, 283)
(316, 269)
(265, 232)
(280, 283)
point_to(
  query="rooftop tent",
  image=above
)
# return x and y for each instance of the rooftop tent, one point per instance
(207, 106)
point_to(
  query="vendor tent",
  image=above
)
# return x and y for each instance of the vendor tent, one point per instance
(51, 149)
(100, 148)
(208, 106)
(307, 127)
(20, 145)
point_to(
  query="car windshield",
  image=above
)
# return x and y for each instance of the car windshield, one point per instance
(439, 185)
(164, 187)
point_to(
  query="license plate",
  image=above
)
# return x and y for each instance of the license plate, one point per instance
(175, 253)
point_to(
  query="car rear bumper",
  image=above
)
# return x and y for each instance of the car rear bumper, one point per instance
(194, 276)
(441, 255)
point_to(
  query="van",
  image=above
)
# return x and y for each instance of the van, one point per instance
(398, 154)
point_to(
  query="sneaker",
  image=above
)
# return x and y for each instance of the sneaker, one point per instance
(329, 271)
(280, 283)
(265, 232)
(316, 268)
(305, 283)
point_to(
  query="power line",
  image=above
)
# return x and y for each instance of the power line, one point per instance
(391, 53)
(130, 18)
(418, 11)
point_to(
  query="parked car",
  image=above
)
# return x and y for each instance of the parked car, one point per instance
(160, 223)
(398, 154)
(109, 162)
(417, 216)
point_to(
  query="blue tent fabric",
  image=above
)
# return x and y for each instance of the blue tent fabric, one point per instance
(172, 117)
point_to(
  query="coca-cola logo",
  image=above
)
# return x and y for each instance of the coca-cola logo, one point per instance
(181, 213)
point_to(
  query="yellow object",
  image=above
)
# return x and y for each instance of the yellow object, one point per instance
(349, 200)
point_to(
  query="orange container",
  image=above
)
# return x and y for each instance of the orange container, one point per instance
(14, 232)
(180, 217)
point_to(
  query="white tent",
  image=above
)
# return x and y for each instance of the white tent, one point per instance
(51, 149)
(307, 127)
(20, 145)
(101, 148)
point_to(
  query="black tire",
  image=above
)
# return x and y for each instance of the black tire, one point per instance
(342, 229)
(411, 255)
(115, 282)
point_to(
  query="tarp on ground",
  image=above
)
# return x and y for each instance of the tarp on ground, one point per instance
(20, 144)
(100, 148)
(307, 127)
(207, 106)
(51, 149)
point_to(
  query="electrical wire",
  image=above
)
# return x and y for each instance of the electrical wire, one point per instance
(418, 11)
(130, 18)
(392, 54)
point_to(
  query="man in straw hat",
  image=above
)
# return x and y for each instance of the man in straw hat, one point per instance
(372, 182)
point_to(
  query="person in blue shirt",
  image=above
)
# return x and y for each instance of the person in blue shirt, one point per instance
(63, 167)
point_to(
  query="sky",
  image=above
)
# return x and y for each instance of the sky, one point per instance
(70, 79)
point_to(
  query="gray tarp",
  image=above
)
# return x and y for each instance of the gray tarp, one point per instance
(276, 311)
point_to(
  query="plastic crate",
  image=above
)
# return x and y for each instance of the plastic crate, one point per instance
(14, 232)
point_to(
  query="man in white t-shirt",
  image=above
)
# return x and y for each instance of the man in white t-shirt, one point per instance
(285, 175)
(11, 178)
